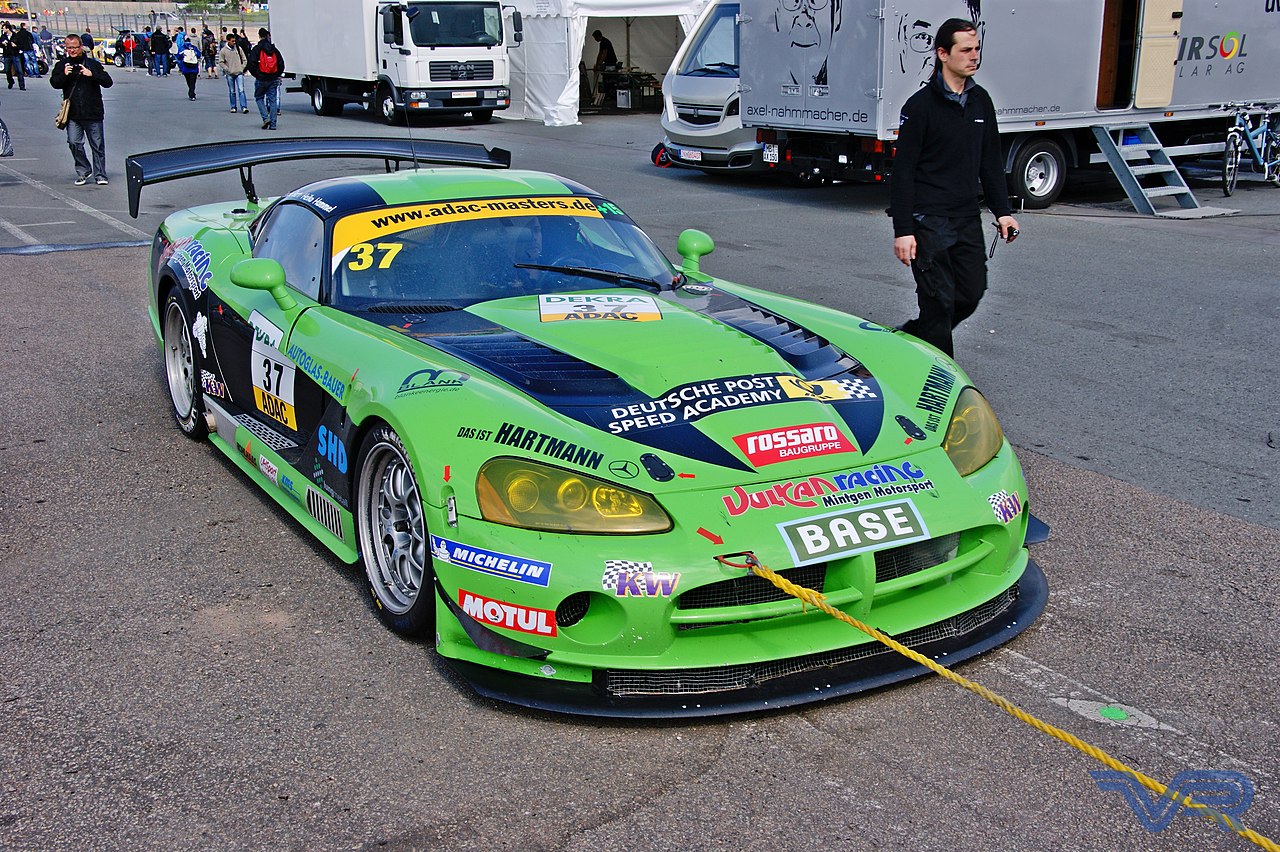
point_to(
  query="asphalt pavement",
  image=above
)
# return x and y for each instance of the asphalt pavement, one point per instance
(182, 667)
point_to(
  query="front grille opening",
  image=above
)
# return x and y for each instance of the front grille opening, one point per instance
(573, 609)
(917, 556)
(750, 589)
(742, 676)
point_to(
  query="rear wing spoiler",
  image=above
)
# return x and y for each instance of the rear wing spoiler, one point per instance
(175, 163)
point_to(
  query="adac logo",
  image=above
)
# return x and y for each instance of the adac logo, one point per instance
(424, 381)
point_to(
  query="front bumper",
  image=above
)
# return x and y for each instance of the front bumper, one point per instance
(805, 679)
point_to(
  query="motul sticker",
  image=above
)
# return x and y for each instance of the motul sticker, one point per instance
(540, 622)
(798, 442)
(624, 308)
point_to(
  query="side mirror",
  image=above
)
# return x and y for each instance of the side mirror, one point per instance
(264, 273)
(517, 28)
(692, 245)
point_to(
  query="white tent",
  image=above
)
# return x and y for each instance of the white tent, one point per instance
(545, 79)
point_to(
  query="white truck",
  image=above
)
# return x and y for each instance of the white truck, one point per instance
(817, 85)
(396, 58)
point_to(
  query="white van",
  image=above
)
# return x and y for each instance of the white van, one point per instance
(701, 123)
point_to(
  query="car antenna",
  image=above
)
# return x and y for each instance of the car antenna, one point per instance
(410, 12)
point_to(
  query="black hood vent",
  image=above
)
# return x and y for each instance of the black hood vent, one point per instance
(530, 365)
(812, 355)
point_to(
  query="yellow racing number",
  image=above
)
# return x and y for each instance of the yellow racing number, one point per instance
(361, 255)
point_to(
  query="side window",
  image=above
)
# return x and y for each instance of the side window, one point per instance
(294, 236)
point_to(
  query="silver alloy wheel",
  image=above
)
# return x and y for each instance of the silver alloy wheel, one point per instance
(393, 532)
(1041, 174)
(317, 100)
(179, 365)
(387, 102)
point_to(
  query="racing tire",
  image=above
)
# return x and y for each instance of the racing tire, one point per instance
(391, 528)
(321, 103)
(118, 60)
(1039, 173)
(182, 364)
(1231, 162)
(481, 116)
(659, 156)
(384, 106)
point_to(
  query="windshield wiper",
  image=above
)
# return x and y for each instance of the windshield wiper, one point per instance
(715, 68)
(590, 272)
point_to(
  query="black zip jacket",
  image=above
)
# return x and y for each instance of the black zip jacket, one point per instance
(943, 151)
(85, 92)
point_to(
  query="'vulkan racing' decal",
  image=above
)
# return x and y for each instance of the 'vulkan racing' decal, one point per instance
(842, 489)
(598, 307)
(194, 261)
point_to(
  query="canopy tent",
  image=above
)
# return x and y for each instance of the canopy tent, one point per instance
(545, 79)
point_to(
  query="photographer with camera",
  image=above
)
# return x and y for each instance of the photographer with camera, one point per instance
(947, 143)
(81, 78)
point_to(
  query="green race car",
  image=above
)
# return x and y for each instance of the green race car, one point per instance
(545, 443)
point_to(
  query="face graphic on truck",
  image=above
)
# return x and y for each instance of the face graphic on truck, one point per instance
(805, 28)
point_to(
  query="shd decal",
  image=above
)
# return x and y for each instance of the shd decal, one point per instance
(625, 308)
(532, 571)
(691, 402)
(800, 442)
(851, 531)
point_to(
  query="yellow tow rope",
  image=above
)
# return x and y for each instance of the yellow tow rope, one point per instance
(817, 599)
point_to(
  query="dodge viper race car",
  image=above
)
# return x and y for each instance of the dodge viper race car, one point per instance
(545, 443)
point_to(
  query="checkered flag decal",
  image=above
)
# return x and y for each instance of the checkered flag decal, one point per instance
(614, 568)
(856, 388)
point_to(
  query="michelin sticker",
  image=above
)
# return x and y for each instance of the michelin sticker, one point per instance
(532, 571)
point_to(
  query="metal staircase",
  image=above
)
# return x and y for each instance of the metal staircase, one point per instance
(1134, 152)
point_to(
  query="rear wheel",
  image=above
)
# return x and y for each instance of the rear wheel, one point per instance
(392, 530)
(182, 363)
(1039, 173)
(1231, 162)
(321, 103)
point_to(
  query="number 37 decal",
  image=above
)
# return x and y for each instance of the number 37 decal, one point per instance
(363, 255)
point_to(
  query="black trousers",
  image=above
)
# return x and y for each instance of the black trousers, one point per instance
(951, 275)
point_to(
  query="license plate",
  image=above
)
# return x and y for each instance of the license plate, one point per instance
(464, 94)
(691, 155)
(770, 153)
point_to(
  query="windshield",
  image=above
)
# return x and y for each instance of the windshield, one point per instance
(714, 52)
(473, 251)
(455, 24)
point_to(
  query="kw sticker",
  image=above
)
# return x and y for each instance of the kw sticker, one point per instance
(625, 308)
(273, 376)
(369, 226)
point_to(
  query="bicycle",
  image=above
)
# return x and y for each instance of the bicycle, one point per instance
(1262, 143)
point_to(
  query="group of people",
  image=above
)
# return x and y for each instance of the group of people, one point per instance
(81, 79)
(18, 47)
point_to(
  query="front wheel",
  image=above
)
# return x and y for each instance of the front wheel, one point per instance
(182, 362)
(481, 116)
(1039, 173)
(385, 105)
(1231, 162)
(392, 531)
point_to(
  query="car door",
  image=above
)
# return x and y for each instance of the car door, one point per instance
(251, 332)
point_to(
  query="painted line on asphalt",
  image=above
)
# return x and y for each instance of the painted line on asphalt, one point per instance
(48, 249)
(45, 224)
(82, 207)
(1097, 706)
(18, 233)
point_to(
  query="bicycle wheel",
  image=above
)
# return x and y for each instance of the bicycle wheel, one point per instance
(1231, 161)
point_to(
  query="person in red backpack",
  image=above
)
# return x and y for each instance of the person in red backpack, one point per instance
(266, 64)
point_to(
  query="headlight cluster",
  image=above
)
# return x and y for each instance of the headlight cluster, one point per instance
(974, 436)
(534, 496)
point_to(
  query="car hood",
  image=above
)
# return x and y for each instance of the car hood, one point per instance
(696, 371)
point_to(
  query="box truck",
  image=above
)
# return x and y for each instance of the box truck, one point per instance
(817, 86)
(445, 56)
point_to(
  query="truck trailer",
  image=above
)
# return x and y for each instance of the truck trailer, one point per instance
(817, 85)
(440, 57)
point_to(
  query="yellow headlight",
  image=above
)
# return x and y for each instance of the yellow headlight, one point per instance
(535, 496)
(974, 436)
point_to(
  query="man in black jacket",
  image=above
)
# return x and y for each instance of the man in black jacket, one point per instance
(13, 58)
(947, 143)
(82, 79)
(266, 64)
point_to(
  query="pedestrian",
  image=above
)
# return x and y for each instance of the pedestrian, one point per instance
(233, 62)
(27, 41)
(606, 61)
(127, 44)
(82, 79)
(266, 64)
(209, 53)
(45, 41)
(13, 59)
(189, 65)
(160, 53)
(948, 143)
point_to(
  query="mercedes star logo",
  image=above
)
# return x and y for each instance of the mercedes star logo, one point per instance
(624, 469)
